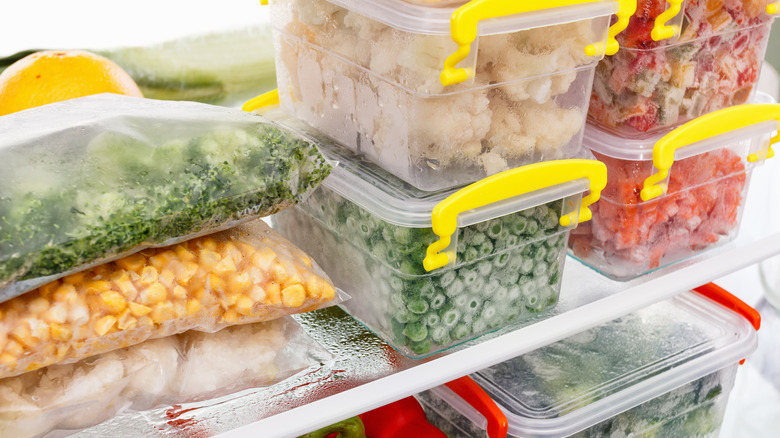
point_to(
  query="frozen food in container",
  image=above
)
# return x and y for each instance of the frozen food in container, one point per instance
(428, 270)
(711, 61)
(387, 79)
(672, 197)
(665, 370)
(89, 180)
(242, 275)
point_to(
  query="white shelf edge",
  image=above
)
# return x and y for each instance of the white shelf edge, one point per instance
(380, 392)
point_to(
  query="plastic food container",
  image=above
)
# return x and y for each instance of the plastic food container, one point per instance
(671, 197)
(429, 270)
(602, 382)
(432, 94)
(711, 61)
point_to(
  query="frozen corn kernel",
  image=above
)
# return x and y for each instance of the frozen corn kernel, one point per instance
(74, 279)
(279, 272)
(208, 258)
(61, 332)
(162, 312)
(193, 307)
(63, 292)
(293, 296)
(132, 262)
(244, 305)
(184, 254)
(166, 277)
(57, 313)
(139, 309)
(154, 294)
(149, 275)
(328, 293)
(239, 283)
(145, 322)
(22, 334)
(112, 302)
(8, 360)
(38, 305)
(104, 324)
(216, 284)
(126, 322)
(78, 314)
(225, 267)
(39, 330)
(185, 271)
(162, 259)
(209, 243)
(230, 317)
(314, 287)
(179, 293)
(47, 290)
(14, 348)
(263, 258)
(292, 280)
(127, 288)
(273, 293)
(257, 294)
(95, 287)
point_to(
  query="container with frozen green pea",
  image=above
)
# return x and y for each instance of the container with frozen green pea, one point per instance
(429, 270)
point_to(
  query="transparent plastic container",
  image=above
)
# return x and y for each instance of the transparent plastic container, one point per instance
(709, 59)
(671, 197)
(429, 270)
(371, 74)
(602, 382)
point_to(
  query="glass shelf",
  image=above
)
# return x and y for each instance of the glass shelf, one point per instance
(367, 373)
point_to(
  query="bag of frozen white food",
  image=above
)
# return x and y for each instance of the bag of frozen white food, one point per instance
(93, 179)
(242, 275)
(183, 368)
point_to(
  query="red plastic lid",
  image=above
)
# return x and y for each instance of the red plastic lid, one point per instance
(473, 394)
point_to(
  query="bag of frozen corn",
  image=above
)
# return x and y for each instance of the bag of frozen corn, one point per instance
(176, 369)
(89, 180)
(243, 275)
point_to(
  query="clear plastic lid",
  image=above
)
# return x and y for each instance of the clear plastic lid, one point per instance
(641, 149)
(396, 202)
(587, 378)
(433, 17)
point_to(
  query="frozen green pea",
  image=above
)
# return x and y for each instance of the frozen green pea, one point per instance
(484, 268)
(438, 301)
(420, 347)
(417, 306)
(450, 317)
(485, 249)
(447, 278)
(416, 331)
(494, 229)
(432, 320)
(461, 331)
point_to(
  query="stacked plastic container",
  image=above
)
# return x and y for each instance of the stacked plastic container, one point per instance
(602, 382)
(675, 117)
(457, 127)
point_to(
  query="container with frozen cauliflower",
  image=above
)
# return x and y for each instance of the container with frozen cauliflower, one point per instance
(674, 196)
(242, 275)
(429, 270)
(388, 80)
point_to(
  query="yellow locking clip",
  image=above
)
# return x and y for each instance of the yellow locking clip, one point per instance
(662, 30)
(506, 185)
(707, 126)
(464, 21)
(263, 100)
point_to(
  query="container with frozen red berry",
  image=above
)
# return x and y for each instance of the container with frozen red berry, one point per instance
(672, 196)
(678, 60)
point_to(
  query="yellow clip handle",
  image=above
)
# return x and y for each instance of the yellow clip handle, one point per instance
(464, 20)
(773, 8)
(265, 99)
(702, 128)
(661, 30)
(263, 2)
(627, 9)
(508, 184)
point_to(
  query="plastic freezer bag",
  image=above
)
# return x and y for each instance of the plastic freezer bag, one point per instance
(92, 179)
(177, 369)
(246, 274)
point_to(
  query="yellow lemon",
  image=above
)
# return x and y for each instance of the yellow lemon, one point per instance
(57, 75)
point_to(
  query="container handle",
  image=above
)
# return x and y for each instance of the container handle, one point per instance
(702, 128)
(401, 418)
(464, 20)
(506, 185)
(263, 100)
(731, 302)
(662, 30)
(473, 394)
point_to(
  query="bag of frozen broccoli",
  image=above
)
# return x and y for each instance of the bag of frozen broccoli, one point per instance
(243, 275)
(93, 179)
(184, 368)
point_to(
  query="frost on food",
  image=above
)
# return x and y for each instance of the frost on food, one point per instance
(346, 72)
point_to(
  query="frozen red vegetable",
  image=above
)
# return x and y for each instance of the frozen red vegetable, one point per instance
(701, 207)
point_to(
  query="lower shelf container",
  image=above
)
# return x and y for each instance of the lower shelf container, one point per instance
(665, 371)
